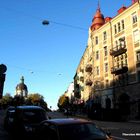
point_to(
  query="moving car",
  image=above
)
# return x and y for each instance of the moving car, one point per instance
(25, 120)
(70, 129)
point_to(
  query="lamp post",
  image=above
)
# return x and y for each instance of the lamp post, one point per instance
(3, 69)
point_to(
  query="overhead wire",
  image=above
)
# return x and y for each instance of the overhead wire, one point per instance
(50, 21)
(39, 18)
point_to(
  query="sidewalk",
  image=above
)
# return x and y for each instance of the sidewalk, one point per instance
(84, 116)
(134, 121)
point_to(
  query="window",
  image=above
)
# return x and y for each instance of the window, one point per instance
(107, 83)
(138, 56)
(136, 35)
(97, 70)
(116, 42)
(104, 35)
(138, 76)
(122, 24)
(105, 51)
(106, 67)
(119, 27)
(97, 55)
(134, 18)
(122, 42)
(96, 40)
(115, 29)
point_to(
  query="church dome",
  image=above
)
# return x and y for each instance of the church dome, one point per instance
(21, 88)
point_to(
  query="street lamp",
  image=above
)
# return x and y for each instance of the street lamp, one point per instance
(45, 22)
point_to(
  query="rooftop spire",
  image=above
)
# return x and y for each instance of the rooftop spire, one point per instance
(98, 4)
(98, 19)
(22, 79)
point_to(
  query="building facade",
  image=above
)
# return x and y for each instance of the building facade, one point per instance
(109, 70)
(70, 91)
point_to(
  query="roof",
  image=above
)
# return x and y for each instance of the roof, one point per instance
(65, 121)
(29, 107)
(98, 20)
(21, 86)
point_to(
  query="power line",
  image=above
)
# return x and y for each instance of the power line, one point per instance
(39, 18)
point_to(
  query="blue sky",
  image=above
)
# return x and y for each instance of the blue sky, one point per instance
(47, 56)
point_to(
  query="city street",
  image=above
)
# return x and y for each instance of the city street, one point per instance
(119, 130)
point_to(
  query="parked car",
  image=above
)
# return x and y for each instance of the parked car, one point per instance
(25, 120)
(71, 129)
(67, 112)
(9, 118)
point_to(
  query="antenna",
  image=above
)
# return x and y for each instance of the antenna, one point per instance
(98, 4)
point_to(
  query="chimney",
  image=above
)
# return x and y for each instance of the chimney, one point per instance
(133, 1)
(122, 9)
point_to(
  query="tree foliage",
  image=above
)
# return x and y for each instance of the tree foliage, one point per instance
(6, 100)
(18, 100)
(63, 102)
(32, 99)
(36, 99)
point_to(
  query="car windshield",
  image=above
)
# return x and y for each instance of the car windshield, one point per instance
(34, 116)
(81, 132)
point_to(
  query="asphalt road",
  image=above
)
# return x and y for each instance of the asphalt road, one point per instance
(119, 130)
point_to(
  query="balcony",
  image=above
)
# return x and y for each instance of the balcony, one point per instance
(89, 82)
(88, 68)
(120, 69)
(118, 50)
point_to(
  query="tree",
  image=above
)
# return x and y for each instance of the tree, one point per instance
(6, 100)
(63, 102)
(18, 100)
(36, 99)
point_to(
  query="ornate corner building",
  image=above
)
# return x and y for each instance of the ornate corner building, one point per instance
(109, 70)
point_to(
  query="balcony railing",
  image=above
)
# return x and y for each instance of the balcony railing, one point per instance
(120, 69)
(89, 82)
(88, 68)
(118, 50)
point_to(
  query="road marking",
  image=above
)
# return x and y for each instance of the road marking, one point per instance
(118, 138)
